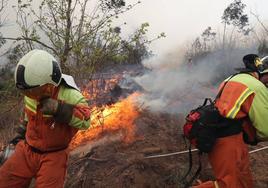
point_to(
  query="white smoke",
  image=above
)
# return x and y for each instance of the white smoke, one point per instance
(174, 87)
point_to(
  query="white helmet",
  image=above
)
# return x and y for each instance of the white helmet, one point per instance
(37, 68)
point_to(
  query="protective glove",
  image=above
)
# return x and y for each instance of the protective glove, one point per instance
(62, 112)
(6, 153)
(249, 133)
(49, 106)
(20, 134)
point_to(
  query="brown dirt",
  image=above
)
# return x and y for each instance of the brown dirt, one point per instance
(108, 162)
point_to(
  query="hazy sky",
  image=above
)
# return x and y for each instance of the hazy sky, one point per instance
(169, 86)
(183, 20)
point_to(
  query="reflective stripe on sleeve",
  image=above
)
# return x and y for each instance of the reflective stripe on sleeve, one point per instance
(232, 113)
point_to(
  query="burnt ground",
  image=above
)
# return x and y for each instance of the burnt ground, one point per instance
(112, 163)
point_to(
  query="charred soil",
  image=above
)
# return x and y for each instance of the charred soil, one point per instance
(109, 162)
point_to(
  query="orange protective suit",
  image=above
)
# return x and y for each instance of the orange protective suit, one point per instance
(44, 154)
(243, 97)
(17, 172)
(230, 161)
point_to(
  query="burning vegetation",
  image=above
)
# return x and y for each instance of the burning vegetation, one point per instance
(114, 110)
(112, 153)
(117, 117)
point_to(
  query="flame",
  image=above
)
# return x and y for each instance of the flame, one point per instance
(86, 94)
(99, 86)
(118, 117)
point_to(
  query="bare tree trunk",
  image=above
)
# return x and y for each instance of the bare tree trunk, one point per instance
(224, 33)
(232, 42)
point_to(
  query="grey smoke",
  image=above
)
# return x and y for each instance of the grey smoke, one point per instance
(173, 87)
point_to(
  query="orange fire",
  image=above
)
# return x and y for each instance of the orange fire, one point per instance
(118, 117)
(99, 86)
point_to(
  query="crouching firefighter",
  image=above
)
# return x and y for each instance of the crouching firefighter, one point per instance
(241, 105)
(54, 111)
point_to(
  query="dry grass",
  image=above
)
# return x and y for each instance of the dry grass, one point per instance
(10, 109)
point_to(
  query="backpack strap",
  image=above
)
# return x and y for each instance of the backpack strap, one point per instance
(183, 179)
(206, 101)
(196, 173)
(186, 183)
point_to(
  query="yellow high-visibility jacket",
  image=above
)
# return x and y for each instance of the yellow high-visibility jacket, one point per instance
(245, 96)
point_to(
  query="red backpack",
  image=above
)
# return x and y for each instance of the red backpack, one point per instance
(201, 125)
(205, 124)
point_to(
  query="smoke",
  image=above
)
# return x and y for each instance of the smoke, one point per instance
(176, 85)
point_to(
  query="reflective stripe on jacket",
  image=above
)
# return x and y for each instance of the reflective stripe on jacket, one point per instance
(243, 96)
(44, 133)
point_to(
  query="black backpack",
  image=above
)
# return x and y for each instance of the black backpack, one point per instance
(201, 126)
(205, 124)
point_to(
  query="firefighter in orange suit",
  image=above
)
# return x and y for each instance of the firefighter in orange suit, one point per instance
(54, 111)
(244, 96)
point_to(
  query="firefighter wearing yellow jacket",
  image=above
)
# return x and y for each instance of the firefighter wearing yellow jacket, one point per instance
(245, 96)
(54, 111)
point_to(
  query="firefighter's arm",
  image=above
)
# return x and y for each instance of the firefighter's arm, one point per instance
(71, 109)
(77, 115)
(258, 115)
(249, 131)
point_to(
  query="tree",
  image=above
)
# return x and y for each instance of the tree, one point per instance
(201, 46)
(3, 4)
(234, 15)
(208, 36)
(79, 34)
(263, 47)
(7, 90)
(136, 49)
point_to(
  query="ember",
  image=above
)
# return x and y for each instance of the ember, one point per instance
(118, 117)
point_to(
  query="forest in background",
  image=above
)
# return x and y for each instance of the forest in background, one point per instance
(85, 42)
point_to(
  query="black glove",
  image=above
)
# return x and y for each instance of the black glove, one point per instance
(64, 112)
(20, 135)
(16, 140)
(49, 106)
(249, 140)
(61, 111)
